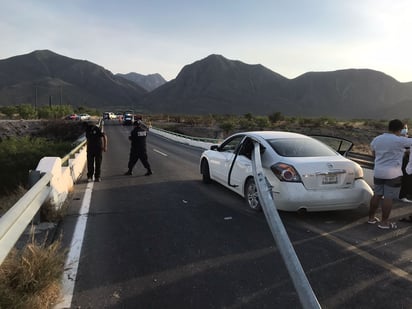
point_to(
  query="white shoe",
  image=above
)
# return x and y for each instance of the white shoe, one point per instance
(405, 200)
(89, 179)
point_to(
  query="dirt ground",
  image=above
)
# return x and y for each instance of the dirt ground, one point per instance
(55, 129)
(359, 133)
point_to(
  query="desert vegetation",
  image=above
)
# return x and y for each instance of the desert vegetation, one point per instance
(30, 278)
(359, 131)
(27, 111)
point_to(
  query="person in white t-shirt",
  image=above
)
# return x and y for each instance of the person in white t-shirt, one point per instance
(388, 149)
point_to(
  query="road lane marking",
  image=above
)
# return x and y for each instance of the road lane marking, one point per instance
(159, 152)
(72, 261)
(366, 255)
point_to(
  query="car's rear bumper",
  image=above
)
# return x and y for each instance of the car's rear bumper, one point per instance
(295, 197)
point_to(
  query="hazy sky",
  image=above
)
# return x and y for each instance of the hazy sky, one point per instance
(289, 37)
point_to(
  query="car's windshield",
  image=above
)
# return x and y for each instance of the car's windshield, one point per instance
(300, 147)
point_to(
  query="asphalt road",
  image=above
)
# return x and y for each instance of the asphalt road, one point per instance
(170, 241)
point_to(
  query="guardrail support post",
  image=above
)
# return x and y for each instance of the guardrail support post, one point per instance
(34, 177)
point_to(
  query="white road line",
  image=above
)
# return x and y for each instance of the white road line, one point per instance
(365, 254)
(72, 261)
(159, 152)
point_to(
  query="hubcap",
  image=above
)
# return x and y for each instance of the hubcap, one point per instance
(252, 196)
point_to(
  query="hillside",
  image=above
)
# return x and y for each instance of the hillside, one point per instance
(216, 85)
(43, 77)
(219, 86)
(213, 85)
(148, 82)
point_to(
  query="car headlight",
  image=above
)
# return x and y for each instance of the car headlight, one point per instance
(285, 172)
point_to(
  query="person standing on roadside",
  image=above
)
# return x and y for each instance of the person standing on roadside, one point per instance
(405, 194)
(388, 149)
(138, 146)
(96, 144)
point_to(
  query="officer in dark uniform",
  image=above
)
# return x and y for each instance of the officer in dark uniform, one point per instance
(138, 146)
(96, 144)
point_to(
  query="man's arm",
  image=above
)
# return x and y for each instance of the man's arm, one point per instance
(104, 142)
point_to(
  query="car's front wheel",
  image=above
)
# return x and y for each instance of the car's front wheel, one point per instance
(204, 169)
(251, 195)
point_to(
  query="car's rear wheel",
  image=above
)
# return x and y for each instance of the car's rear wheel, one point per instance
(204, 168)
(251, 195)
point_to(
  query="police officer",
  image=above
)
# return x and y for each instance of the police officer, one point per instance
(96, 143)
(138, 146)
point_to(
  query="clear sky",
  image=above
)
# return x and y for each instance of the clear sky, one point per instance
(289, 37)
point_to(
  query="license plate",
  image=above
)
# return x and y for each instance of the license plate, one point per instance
(329, 179)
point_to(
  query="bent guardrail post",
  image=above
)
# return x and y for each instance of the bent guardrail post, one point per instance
(34, 177)
(306, 295)
(16, 219)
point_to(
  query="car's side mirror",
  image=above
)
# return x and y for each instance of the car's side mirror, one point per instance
(214, 147)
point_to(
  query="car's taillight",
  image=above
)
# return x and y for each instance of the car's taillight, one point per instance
(285, 172)
(358, 172)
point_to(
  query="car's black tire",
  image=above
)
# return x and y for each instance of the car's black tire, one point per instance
(251, 195)
(204, 169)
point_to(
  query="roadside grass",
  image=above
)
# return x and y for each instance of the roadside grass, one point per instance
(30, 278)
(11, 198)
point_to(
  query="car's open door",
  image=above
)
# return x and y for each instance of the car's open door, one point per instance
(341, 145)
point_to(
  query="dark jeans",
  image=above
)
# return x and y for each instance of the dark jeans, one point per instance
(94, 163)
(135, 155)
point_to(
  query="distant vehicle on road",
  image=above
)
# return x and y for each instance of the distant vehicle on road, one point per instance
(72, 117)
(84, 116)
(109, 116)
(128, 118)
(304, 173)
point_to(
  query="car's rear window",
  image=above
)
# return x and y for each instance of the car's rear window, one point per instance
(301, 147)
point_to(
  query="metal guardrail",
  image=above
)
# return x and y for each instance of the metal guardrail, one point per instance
(16, 219)
(66, 158)
(363, 160)
(199, 139)
(303, 288)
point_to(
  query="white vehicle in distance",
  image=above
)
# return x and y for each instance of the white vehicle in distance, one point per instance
(305, 174)
(109, 116)
(84, 116)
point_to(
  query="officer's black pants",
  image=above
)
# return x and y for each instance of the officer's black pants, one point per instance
(135, 155)
(94, 163)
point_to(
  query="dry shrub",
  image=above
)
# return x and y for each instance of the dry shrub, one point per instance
(8, 200)
(49, 212)
(30, 278)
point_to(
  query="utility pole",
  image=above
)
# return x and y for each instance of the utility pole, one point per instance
(35, 97)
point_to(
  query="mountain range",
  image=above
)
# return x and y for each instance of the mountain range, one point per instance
(148, 82)
(43, 77)
(213, 85)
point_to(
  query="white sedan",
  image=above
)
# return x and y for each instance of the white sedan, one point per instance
(305, 174)
(84, 116)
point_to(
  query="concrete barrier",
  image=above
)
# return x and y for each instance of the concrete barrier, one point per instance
(63, 177)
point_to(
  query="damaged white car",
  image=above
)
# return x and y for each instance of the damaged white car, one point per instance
(305, 174)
